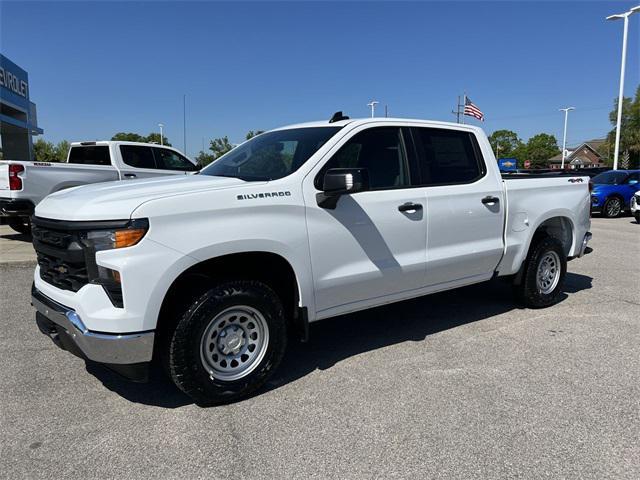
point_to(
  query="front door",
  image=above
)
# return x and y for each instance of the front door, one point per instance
(371, 246)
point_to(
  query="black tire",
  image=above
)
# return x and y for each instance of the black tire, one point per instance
(526, 289)
(186, 366)
(612, 207)
(637, 215)
(20, 225)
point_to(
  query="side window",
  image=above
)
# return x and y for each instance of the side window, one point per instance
(137, 156)
(634, 178)
(90, 155)
(447, 156)
(170, 160)
(379, 150)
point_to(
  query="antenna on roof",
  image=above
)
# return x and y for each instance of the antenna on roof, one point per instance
(338, 116)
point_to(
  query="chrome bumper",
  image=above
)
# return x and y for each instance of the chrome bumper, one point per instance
(115, 349)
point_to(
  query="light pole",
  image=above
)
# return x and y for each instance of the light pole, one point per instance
(564, 136)
(161, 137)
(373, 104)
(625, 16)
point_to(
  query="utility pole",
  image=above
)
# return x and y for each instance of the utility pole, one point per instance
(386, 111)
(457, 112)
(161, 137)
(564, 136)
(184, 123)
(625, 16)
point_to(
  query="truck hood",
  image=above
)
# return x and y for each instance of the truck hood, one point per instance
(117, 200)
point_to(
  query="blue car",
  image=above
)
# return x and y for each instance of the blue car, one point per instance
(612, 191)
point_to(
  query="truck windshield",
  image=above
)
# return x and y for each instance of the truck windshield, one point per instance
(271, 155)
(609, 178)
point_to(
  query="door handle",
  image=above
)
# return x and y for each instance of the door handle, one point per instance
(490, 200)
(409, 207)
(130, 175)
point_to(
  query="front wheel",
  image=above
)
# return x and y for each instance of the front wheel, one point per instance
(612, 207)
(543, 277)
(228, 342)
(637, 215)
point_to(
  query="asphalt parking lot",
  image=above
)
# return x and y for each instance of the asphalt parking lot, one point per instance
(460, 385)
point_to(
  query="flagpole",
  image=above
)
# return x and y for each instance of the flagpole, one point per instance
(464, 103)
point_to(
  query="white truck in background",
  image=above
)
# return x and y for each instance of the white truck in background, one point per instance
(212, 273)
(24, 184)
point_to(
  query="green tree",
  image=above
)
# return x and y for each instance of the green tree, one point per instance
(128, 137)
(203, 158)
(251, 134)
(44, 151)
(61, 151)
(629, 131)
(220, 146)
(540, 148)
(504, 143)
(155, 138)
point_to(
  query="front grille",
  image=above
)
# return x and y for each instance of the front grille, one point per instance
(61, 257)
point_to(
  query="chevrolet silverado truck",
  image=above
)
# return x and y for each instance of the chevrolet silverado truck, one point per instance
(24, 184)
(211, 274)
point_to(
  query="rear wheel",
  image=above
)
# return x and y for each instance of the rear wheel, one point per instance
(543, 277)
(612, 207)
(637, 215)
(228, 342)
(20, 225)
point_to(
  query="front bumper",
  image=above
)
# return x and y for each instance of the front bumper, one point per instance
(128, 354)
(13, 207)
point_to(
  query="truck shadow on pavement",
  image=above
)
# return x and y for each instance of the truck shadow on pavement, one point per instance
(16, 237)
(336, 339)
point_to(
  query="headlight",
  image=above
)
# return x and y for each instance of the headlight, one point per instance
(117, 238)
(108, 239)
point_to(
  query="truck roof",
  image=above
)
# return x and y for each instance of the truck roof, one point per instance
(116, 142)
(365, 121)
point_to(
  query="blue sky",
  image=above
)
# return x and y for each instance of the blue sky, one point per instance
(96, 68)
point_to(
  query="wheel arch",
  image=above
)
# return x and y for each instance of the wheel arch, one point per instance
(558, 225)
(271, 268)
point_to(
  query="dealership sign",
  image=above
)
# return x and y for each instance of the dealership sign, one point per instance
(508, 164)
(14, 83)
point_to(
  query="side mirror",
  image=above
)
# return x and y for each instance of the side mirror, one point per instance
(341, 181)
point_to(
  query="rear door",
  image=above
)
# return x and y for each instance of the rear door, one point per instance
(465, 206)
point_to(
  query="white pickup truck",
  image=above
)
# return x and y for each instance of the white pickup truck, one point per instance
(24, 184)
(210, 274)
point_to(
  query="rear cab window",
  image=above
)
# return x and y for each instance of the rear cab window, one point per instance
(89, 155)
(447, 157)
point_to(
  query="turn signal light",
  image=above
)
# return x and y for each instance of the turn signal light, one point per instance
(15, 182)
(128, 237)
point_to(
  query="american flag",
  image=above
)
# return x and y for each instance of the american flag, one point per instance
(472, 110)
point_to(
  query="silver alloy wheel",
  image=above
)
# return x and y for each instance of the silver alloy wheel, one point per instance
(614, 207)
(234, 343)
(548, 274)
